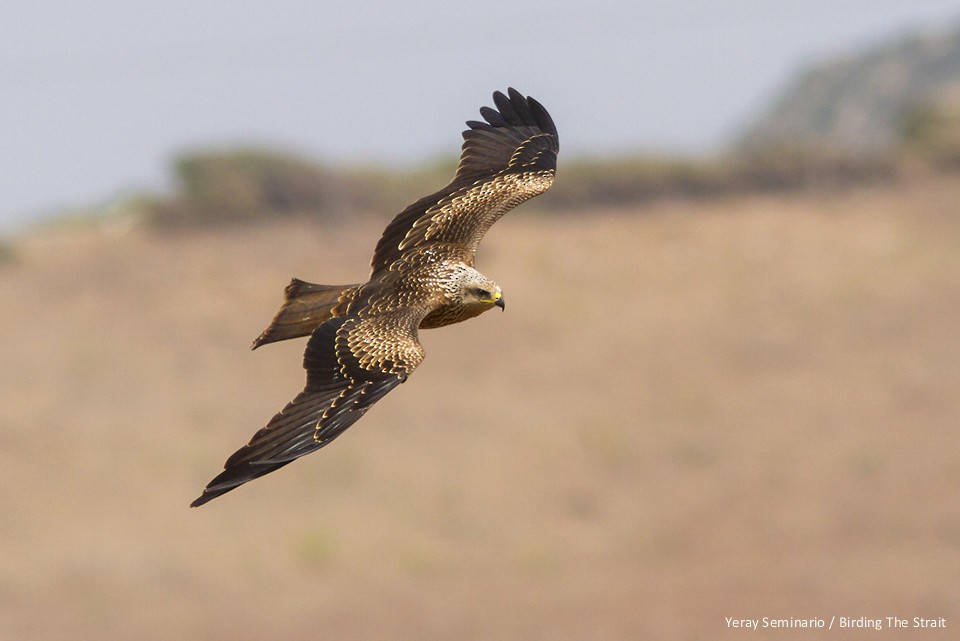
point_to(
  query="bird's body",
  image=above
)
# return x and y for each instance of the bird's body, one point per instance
(363, 338)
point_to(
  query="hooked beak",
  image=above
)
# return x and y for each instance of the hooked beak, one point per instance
(500, 303)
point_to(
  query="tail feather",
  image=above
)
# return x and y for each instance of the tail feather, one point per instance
(305, 307)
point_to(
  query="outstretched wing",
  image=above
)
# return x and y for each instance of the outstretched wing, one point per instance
(351, 363)
(506, 160)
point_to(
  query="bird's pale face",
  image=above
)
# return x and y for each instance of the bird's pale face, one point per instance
(476, 293)
(485, 295)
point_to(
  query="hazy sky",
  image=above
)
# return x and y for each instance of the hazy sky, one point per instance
(98, 96)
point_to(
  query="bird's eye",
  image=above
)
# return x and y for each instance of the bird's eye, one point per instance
(483, 294)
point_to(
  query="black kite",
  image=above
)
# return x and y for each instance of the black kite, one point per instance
(363, 338)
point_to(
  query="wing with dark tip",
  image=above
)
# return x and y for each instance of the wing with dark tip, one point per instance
(507, 159)
(351, 363)
(517, 136)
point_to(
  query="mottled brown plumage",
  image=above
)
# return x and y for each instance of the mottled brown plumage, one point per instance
(363, 338)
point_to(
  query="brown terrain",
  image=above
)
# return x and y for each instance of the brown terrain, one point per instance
(689, 411)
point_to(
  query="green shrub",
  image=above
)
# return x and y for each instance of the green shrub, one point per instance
(8, 252)
(931, 131)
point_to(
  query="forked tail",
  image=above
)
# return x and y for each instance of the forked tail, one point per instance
(305, 307)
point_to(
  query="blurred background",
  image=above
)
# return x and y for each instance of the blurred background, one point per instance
(726, 384)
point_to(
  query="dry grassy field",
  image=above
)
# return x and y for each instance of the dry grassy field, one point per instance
(689, 411)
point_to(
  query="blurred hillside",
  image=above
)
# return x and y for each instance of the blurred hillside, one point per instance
(250, 185)
(253, 186)
(862, 103)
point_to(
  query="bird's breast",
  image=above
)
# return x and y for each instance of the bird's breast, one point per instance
(448, 315)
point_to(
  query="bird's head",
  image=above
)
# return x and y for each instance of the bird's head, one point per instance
(488, 295)
(478, 293)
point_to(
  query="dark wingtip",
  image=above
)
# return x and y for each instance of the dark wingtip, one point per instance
(514, 110)
(209, 495)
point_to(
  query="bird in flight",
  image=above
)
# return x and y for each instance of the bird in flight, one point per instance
(363, 338)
